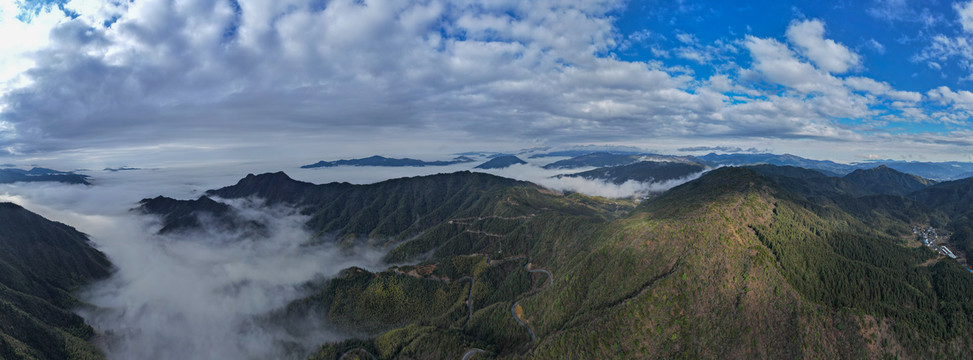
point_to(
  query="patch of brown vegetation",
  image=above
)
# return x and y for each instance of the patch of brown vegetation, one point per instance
(425, 270)
(880, 340)
(550, 192)
(931, 261)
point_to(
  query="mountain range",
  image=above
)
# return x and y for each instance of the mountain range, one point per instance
(501, 162)
(930, 170)
(755, 261)
(38, 174)
(602, 157)
(384, 161)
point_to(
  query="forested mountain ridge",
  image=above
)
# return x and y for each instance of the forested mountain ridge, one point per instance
(885, 180)
(389, 210)
(762, 261)
(41, 263)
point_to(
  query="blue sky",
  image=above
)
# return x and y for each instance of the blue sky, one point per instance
(152, 82)
(890, 35)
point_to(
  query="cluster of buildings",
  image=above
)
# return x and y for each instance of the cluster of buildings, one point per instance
(929, 237)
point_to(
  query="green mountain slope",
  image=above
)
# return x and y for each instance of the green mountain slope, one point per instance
(769, 262)
(391, 210)
(731, 265)
(885, 180)
(41, 262)
(954, 198)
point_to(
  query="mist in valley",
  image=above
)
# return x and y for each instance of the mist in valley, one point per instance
(208, 293)
(215, 292)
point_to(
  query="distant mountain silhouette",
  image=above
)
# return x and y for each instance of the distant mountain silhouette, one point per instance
(501, 162)
(390, 162)
(12, 175)
(596, 159)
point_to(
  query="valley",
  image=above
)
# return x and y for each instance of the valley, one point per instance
(754, 251)
(753, 261)
(486, 180)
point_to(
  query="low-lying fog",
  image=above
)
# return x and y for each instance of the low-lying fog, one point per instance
(204, 294)
(195, 295)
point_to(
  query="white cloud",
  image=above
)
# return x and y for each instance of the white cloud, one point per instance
(206, 83)
(961, 99)
(778, 64)
(828, 55)
(965, 12)
(19, 40)
(547, 178)
(686, 38)
(881, 88)
(877, 46)
(942, 48)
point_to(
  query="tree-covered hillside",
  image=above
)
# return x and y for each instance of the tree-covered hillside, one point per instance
(41, 263)
(766, 261)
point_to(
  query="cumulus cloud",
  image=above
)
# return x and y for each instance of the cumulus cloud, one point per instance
(881, 88)
(187, 70)
(778, 64)
(961, 99)
(210, 81)
(828, 55)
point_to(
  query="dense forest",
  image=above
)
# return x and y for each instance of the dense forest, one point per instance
(41, 264)
(762, 261)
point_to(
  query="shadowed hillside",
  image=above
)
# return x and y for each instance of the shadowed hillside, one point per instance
(767, 261)
(41, 263)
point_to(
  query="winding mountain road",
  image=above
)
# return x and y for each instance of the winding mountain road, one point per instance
(513, 311)
(550, 276)
(357, 349)
(472, 352)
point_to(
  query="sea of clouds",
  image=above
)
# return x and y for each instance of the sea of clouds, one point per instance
(207, 294)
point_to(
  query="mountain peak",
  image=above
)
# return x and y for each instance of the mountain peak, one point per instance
(885, 180)
(501, 162)
(273, 187)
(264, 178)
(10, 206)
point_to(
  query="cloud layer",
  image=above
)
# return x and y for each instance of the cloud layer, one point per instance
(208, 293)
(200, 294)
(218, 78)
